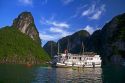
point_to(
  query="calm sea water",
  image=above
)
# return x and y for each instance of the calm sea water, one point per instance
(39, 74)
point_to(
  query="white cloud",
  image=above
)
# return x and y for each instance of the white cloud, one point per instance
(78, 11)
(47, 37)
(94, 12)
(98, 13)
(56, 29)
(65, 2)
(89, 11)
(58, 24)
(26, 2)
(60, 31)
(65, 33)
(89, 29)
(54, 23)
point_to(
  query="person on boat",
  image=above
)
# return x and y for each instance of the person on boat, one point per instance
(93, 64)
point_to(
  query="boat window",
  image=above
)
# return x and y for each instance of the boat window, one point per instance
(80, 58)
(74, 57)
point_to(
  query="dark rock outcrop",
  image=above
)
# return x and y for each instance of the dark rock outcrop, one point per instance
(113, 40)
(25, 23)
(51, 48)
(110, 41)
(95, 41)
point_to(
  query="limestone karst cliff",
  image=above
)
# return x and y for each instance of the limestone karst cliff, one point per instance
(25, 23)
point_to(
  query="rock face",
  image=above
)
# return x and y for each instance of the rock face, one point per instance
(25, 23)
(51, 48)
(113, 40)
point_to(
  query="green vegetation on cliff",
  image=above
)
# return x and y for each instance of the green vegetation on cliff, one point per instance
(16, 47)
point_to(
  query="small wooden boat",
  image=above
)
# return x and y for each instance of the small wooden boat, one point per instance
(29, 64)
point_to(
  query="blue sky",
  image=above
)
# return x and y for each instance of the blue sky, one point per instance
(58, 18)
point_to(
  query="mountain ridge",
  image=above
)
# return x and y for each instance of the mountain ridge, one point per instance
(109, 42)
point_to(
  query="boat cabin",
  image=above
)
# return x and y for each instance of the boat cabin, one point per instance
(89, 59)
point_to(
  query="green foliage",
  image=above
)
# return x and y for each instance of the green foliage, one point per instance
(15, 43)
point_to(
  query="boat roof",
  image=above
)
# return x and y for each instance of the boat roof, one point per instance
(88, 54)
(79, 55)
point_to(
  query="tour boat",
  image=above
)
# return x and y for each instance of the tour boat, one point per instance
(86, 59)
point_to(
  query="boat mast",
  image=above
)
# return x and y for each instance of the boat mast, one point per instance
(51, 49)
(58, 49)
(82, 48)
(68, 46)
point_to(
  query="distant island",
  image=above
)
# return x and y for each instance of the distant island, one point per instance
(20, 43)
(109, 42)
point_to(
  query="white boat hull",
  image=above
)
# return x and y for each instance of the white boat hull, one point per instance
(79, 66)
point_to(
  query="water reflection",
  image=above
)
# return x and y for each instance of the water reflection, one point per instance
(68, 75)
(15, 74)
(38, 74)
